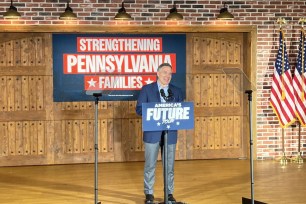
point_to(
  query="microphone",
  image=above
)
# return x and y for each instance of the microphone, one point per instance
(162, 93)
(170, 95)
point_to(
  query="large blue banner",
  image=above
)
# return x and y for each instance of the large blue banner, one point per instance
(116, 64)
(167, 116)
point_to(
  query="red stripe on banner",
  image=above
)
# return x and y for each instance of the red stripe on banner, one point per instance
(117, 82)
(119, 44)
(116, 63)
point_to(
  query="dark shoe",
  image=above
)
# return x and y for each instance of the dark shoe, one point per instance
(171, 198)
(149, 199)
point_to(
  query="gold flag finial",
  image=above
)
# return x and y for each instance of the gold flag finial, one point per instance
(302, 20)
(281, 21)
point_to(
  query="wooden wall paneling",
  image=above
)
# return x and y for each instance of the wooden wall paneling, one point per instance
(68, 136)
(210, 90)
(223, 88)
(75, 105)
(48, 104)
(19, 138)
(216, 49)
(110, 135)
(34, 137)
(196, 54)
(230, 52)
(26, 137)
(197, 90)
(9, 53)
(25, 93)
(50, 142)
(224, 132)
(216, 90)
(83, 136)
(103, 104)
(238, 89)
(25, 52)
(237, 132)
(189, 83)
(41, 137)
(125, 138)
(66, 105)
(2, 54)
(223, 51)
(91, 135)
(11, 93)
(103, 136)
(237, 53)
(32, 48)
(4, 94)
(17, 52)
(181, 145)
(132, 107)
(230, 90)
(82, 105)
(39, 50)
(40, 92)
(118, 147)
(205, 132)
(18, 93)
(4, 144)
(197, 133)
(204, 51)
(204, 90)
(210, 133)
(138, 135)
(217, 132)
(32, 93)
(90, 105)
(12, 138)
(76, 136)
(131, 139)
(230, 131)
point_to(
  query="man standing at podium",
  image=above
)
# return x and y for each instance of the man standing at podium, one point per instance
(159, 91)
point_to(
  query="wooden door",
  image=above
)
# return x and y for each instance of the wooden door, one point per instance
(215, 75)
(26, 125)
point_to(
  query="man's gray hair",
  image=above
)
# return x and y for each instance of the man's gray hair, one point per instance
(164, 65)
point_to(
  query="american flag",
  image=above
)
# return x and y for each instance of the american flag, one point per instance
(299, 82)
(282, 95)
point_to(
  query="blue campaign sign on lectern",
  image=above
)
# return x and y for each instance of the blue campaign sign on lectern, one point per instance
(167, 116)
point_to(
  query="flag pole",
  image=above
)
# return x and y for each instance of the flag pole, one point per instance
(299, 158)
(283, 159)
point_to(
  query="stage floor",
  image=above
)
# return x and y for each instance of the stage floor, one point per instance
(196, 182)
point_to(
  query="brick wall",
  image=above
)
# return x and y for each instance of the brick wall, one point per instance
(262, 13)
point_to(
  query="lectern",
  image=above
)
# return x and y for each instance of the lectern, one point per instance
(165, 117)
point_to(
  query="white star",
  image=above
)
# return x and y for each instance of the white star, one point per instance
(92, 83)
(149, 81)
(168, 126)
(158, 124)
(178, 123)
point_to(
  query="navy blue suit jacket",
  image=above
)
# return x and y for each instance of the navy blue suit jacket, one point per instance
(150, 93)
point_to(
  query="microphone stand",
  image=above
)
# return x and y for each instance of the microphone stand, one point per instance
(165, 152)
(165, 156)
(96, 95)
(249, 92)
(246, 200)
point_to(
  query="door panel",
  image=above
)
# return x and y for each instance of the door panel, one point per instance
(218, 96)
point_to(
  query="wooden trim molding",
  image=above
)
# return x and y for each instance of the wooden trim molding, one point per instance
(125, 29)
